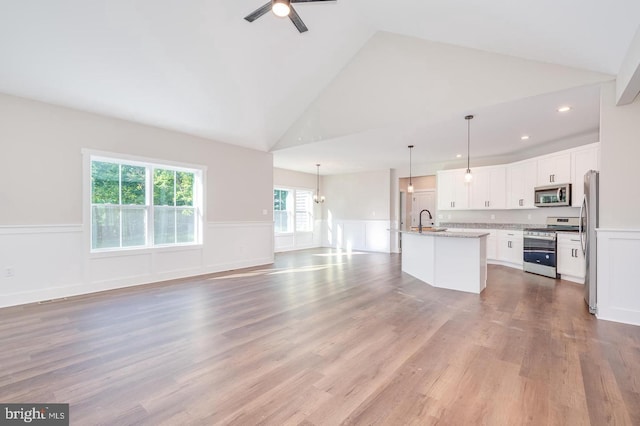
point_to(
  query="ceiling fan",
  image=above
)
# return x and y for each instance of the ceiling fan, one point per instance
(282, 8)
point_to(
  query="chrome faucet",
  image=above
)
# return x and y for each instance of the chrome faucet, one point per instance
(420, 221)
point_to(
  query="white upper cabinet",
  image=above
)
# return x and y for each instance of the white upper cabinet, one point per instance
(554, 169)
(487, 189)
(452, 190)
(521, 181)
(512, 186)
(582, 160)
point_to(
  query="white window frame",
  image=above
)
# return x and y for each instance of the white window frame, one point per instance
(294, 226)
(293, 211)
(150, 164)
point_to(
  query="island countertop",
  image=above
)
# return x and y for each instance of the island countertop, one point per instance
(447, 234)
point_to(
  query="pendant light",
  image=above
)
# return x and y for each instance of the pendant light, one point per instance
(410, 187)
(468, 176)
(318, 198)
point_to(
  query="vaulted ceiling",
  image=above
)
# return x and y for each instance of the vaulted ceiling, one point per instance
(368, 78)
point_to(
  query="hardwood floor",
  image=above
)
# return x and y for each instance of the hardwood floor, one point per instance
(321, 338)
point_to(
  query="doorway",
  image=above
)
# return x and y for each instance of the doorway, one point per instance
(420, 200)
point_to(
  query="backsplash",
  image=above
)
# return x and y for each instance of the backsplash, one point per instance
(493, 225)
(530, 217)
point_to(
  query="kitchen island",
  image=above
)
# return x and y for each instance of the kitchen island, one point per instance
(452, 260)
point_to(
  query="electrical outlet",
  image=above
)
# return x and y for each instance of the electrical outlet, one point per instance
(493, 216)
(529, 216)
(9, 272)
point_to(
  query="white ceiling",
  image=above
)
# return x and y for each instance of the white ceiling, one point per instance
(199, 68)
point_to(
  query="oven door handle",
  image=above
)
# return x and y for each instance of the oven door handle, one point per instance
(536, 237)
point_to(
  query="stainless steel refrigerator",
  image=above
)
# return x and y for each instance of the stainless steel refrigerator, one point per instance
(588, 225)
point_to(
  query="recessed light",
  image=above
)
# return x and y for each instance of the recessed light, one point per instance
(564, 108)
(458, 155)
(524, 137)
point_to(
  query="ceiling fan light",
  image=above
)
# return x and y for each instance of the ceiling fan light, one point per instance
(281, 8)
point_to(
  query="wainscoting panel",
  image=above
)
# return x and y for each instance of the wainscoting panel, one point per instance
(619, 275)
(53, 261)
(238, 245)
(367, 235)
(39, 262)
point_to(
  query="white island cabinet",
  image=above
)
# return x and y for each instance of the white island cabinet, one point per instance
(452, 260)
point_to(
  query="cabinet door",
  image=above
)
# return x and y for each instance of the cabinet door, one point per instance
(487, 190)
(582, 161)
(446, 191)
(510, 246)
(571, 260)
(554, 169)
(461, 188)
(452, 190)
(479, 189)
(521, 181)
(498, 188)
(516, 255)
(492, 241)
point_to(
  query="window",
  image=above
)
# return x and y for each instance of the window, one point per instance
(137, 204)
(304, 211)
(283, 210)
(292, 210)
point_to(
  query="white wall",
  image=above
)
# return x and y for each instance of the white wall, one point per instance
(43, 241)
(357, 212)
(299, 240)
(620, 157)
(396, 79)
(619, 234)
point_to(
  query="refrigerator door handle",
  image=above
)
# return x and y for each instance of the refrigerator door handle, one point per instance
(581, 229)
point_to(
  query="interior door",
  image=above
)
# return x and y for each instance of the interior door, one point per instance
(423, 200)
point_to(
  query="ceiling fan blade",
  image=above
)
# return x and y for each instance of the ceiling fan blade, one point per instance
(258, 12)
(295, 18)
(308, 1)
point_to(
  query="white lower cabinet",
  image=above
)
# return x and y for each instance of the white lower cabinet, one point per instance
(510, 254)
(510, 246)
(571, 261)
(492, 241)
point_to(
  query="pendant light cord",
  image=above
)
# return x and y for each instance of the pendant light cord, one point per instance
(468, 143)
(410, 149)
(468, 118)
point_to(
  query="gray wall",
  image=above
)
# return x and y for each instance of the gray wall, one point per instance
(620, 158)
(41, 163)
(358, 196)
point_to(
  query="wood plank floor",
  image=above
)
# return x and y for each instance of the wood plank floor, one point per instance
(321, 338)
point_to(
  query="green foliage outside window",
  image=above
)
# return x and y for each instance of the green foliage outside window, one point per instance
(120, 205)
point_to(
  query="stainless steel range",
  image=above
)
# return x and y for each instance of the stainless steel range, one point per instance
(540, 248)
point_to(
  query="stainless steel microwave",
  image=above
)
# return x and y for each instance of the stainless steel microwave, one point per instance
(553, 195)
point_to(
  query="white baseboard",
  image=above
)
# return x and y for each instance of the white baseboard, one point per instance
(52, 262)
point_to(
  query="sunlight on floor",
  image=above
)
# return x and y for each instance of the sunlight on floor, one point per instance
(340, 253)
(310, 268)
